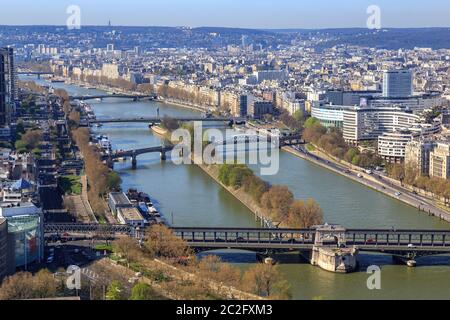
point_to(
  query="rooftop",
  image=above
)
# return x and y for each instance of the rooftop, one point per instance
(131, 214)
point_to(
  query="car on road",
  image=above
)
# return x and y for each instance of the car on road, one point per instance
(411, 245)
(398, 194)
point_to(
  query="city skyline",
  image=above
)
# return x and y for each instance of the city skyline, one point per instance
(264, 14)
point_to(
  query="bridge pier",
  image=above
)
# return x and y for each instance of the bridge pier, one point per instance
(134, 162)
(330, 252)
(334, 259)
(408, 260)
(163, 156)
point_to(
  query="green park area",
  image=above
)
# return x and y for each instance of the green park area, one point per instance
(70, 184)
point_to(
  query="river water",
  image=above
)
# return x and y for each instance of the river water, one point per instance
(188, 197)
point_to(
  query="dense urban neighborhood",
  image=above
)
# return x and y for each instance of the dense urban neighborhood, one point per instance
(373, 112)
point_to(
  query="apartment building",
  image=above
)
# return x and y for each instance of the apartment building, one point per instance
(417, 154)
(440, 161)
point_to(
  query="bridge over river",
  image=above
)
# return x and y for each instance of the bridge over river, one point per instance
(154, 120)
(331, 247)
(247, 140)
(134, 97)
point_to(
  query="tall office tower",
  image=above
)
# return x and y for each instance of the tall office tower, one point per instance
(8, 85)
(397, 83)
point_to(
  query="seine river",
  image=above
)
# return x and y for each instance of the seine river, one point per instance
(188, 197)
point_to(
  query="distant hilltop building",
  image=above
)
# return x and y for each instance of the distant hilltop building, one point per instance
(397, 83)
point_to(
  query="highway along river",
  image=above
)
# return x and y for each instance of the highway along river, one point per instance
(188, 197)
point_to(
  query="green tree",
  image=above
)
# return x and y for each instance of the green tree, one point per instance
(351, 154)
(114, 181)
(115, 291)
(142, 291)
(238, 174)
(311, 122)
(20, 146)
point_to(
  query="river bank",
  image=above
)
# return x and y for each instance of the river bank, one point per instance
(243, 197)
(197, 200)
(370, 182)
(102, 87)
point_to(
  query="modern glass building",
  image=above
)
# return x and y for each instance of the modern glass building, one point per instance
(397, 83)
(25, 239)
(3, 248)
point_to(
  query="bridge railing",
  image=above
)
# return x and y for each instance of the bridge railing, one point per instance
(400, 238)
(248, 236)
(84, 228)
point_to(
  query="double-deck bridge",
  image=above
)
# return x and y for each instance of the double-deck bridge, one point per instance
(390, 241)
(396, 242)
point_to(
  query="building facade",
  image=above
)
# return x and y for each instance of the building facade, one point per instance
(369, 123)
(392, 145)
(330, 116)
(417, 154)
(25, 235)
(260, 108)
(8, 88)
(440, 161)
(3, 248)
(397, 83)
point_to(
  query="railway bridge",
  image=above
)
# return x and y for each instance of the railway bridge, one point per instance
(331, 247)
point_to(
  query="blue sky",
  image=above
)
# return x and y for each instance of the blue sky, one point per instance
(230, 13)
